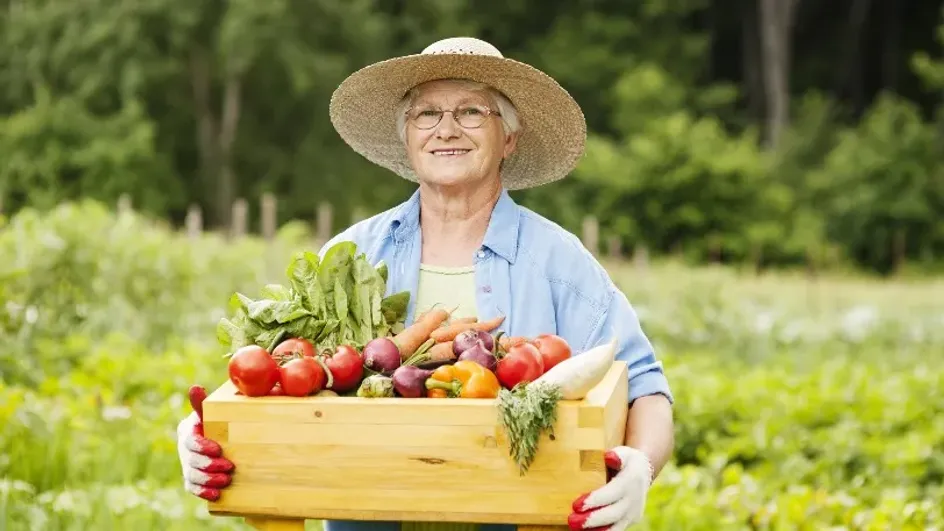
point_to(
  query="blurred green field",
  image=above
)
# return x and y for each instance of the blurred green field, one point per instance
(800, 405)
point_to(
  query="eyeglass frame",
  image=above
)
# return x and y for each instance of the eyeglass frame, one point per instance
(442, 113)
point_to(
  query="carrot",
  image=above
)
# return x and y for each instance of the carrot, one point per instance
(467, 320)
(441, 352)
(449, 333)
(410, 338)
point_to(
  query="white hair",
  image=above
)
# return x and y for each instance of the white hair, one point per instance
(509, 115)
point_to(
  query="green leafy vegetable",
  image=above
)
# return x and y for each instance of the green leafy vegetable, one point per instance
(340, 299)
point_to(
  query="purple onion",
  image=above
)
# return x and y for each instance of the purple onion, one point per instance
(381, 354)
(470, 338)
(479, 354)
(409, 381)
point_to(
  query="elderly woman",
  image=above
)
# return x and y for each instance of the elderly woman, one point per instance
(468, 125)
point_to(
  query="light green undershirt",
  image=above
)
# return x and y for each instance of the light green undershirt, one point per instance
(445, 287)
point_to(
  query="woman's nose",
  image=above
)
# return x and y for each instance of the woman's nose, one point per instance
(447, 127)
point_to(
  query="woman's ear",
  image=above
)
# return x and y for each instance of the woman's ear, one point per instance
(511, 142)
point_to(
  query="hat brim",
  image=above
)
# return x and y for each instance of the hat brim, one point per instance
(554, 129)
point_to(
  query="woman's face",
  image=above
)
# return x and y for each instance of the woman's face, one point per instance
(450, 154)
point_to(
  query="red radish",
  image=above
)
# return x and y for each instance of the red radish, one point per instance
(522, 363)
(381, 354)
(347, 368)
(253, 371)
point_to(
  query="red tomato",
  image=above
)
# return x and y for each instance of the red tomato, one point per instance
(253, 371)
(301, 377)
(522, 363)
(554, 349)
(347, 368)
(295, 347)
(506, 342)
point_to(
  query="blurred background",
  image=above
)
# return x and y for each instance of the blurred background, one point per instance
(763, 178)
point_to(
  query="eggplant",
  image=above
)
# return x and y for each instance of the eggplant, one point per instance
(409, 381)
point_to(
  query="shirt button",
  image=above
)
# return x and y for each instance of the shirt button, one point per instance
(480, 254)
(487, 289)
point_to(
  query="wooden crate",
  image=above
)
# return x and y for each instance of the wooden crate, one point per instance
(406, 459)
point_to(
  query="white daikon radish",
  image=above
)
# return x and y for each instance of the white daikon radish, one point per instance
(577, 375)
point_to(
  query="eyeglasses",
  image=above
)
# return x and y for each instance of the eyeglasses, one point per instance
(468, 116)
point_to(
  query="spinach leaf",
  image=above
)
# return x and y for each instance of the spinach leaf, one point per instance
(276, 292)
(394, 307)
(337, 299)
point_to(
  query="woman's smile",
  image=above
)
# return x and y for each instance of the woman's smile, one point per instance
(450, 153)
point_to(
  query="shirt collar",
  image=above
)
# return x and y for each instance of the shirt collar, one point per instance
(501, 237)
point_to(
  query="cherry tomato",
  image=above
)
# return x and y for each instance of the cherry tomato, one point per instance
(301, 376)
(295, 347)
(253, 371)
(554, 349)
(522, 363)
(347, 368)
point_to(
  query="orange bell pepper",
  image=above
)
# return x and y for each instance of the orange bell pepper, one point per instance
(463, 379)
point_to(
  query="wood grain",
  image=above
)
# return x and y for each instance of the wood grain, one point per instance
(276, 524)
(401, 459)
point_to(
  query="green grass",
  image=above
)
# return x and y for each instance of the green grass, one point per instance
(800, 405)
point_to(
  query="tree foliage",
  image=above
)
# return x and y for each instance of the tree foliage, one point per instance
(721, 133)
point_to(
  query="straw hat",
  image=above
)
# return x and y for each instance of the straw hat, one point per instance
(554, 130)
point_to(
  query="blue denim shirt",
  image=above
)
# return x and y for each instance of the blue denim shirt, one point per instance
(532, 271)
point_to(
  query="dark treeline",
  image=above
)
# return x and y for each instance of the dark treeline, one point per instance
(774, 132)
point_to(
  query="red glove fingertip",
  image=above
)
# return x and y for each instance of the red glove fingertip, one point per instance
(577, 520)
(197, 395)
(204, 446)
(613, 461)
(208, 494)
(577, 506)
(218, 481)
(219, 465)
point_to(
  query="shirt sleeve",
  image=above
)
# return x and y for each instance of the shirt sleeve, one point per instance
(619, 319)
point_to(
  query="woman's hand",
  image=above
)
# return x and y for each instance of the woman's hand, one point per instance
(205, 470)
(620, 503)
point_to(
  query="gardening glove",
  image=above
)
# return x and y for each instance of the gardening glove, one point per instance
(205, 470)
(620, 503)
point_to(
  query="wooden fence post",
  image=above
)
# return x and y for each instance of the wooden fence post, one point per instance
(240, 218)
(614, 247)
(323, 228)
(124, 204)
(194, 221)
(641, 258)
(268, 213)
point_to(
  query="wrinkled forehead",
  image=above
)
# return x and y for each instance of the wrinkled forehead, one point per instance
(448, 93)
